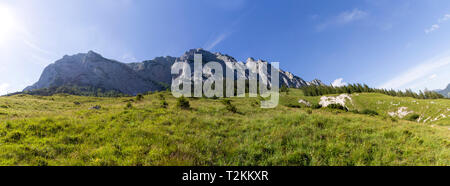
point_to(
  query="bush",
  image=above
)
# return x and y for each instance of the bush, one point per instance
(164, 104)
(355, 111)
(161, 97)
(128, 106)
(316, 106)
(412, 117)
(183, 103)
(369, 112)
(139, 97)
(309, 111)
(337, 106)
(230, 107)
(284, 88)
(14, 136)
(393, 119)
(293, 105)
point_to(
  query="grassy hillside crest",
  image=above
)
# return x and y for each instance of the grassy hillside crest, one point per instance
(152, 130)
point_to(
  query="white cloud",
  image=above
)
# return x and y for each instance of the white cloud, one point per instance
(418, 76)
(4, 88)
(343, 18)
(339, 82)
(432, 28)
(216, 41)
(347, 17)
(445, 18)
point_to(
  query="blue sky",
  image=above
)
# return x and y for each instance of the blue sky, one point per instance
(389, 44)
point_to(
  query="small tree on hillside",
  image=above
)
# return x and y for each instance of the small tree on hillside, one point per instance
(183, 103)
(139, 97)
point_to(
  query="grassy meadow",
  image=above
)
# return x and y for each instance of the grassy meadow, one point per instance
(65, 130)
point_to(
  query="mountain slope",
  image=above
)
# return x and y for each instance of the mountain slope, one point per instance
(65, 133)
(445, 92)
(93, 70)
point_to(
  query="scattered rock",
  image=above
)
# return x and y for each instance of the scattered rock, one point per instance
(339, 100)
(424, 121)
(307, 103)
(401, 112)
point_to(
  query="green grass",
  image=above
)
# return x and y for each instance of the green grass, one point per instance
(53, 130)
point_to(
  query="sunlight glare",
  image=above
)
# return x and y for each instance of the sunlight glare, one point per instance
(7, 23)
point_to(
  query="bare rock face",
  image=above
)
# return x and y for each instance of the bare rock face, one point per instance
(91, 69)
(157, 69)
(316, 82)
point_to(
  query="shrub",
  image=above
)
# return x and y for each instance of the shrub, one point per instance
(164, 104)
(284, 88)
(316, 106)
(369, 112)
(183, 103)
(256, 103)
(412, 117)
(14, 136)
(139, 97)
(337, 106)
(128, 106)
(393, 119)
(355, 111)
(293, 105)
(230, 107)
(319, 124)
(161, 97)
(309, 111)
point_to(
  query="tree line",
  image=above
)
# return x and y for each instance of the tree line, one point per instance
(358, 88)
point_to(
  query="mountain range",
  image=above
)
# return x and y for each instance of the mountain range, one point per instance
(93, 70)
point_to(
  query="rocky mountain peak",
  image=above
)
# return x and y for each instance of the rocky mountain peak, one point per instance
(93, 54)
(207, 56)
(93, 70)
